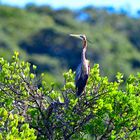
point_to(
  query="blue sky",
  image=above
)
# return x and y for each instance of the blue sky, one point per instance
(130, 5)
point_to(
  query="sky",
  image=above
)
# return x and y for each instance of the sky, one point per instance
(130, 5)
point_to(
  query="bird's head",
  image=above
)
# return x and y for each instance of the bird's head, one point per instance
(80, 36)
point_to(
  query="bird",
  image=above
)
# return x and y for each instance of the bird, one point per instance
(83, 69)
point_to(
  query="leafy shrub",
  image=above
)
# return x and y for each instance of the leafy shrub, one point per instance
(12, 127)
(30, 109)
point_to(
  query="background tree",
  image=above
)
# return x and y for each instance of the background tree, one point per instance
(115, 38)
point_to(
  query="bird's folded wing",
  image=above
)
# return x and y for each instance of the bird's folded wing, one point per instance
(78, 73)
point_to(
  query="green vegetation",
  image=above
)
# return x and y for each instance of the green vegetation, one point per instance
(33, 105)
(41, 36)
(31, 109)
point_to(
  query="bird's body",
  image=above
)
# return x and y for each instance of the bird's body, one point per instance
(81, 79)
(83, 69)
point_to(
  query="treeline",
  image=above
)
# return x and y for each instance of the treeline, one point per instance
(41, 35)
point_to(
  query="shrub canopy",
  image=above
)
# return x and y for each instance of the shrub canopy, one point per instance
(30, 109)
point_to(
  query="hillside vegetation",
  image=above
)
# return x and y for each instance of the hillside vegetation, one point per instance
(41, 35)
(33, 105)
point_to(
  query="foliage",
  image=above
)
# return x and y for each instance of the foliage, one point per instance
(29, 109)
(12, 126)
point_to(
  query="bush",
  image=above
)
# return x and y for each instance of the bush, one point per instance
(30, 109)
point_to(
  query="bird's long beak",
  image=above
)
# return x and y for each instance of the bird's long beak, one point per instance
(76, 35)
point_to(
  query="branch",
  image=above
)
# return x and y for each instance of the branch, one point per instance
(79, 125)
(107, 131)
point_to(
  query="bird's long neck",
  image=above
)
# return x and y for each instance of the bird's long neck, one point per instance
(84, 50)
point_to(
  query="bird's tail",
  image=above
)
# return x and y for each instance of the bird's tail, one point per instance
(79, 91)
